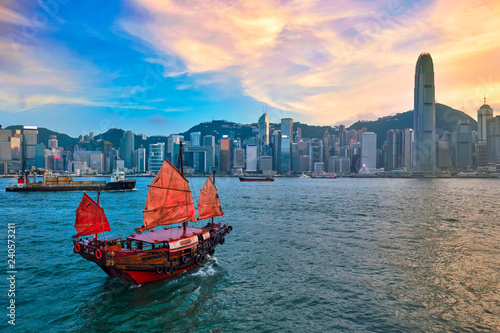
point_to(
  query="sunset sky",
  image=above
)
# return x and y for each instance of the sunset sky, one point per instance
(160, 67)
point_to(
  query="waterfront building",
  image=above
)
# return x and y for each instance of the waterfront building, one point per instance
(156, 157)
(107, 165)
(30, 139)
(464, 144)
(40, 156)
(251, 160)
(493, 139)
(399, 149)
(315, 152)
(481, 153)
(209, 141)
(174, 144)
(225, 155)
(443, 156)
(369, 150)
(424, 116)
(140, 159)
(195, 138)
(484, 113)
(92, 158)
(295, 157)
(286, 141)
(263, 136)
(239, 158)
(127, 149)
(326, 149)
(341, 164)
(304, 163)
(266, 164)
(319, 167)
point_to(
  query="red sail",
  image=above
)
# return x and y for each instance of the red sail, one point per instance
(169, 199)
(209, 204)
(90, 218)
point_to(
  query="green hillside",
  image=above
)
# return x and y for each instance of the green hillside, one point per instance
(446, 120)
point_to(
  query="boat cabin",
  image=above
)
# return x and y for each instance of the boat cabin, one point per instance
(177, 241)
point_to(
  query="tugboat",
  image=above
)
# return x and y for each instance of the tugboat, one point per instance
(149, 254)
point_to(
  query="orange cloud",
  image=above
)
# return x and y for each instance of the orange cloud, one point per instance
(332, 61)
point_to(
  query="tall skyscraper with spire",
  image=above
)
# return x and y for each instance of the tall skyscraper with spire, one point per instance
(424, 116)
(484, 113)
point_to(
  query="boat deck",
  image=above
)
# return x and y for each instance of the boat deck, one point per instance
(166, 235)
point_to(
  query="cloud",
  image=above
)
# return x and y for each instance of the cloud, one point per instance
(330, 60)
(9, 16)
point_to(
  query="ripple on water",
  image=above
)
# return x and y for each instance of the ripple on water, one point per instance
(382, 255)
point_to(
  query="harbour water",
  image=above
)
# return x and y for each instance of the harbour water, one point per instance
(305, 255)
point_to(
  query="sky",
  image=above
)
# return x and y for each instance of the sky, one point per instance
(162, 66)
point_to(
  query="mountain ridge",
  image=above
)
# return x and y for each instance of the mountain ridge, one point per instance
(446, 120)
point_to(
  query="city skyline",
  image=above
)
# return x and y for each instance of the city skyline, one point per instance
(93, 66)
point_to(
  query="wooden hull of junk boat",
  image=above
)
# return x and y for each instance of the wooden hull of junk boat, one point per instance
(153, 265)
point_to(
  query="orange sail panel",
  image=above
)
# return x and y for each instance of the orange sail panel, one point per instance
(169, 199)
(209, 204)
(90, 218)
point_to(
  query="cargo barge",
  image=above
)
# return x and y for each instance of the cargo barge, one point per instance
(57, 184)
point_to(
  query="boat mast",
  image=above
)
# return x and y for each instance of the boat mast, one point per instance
(214, 185)
(98, 204)
(184, 224)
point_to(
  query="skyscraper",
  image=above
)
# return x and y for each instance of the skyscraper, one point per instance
(195, 138)
(127, 149)
(464, 144)
(369, 150)
(424, 116)
(264, 136)
(286, 140)
(156, 156)
(225, 155)
(484, 113)
(30, 139)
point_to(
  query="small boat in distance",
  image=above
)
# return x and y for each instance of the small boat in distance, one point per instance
(256, 179)
(149, 254)
(66, 183)
(303, 175)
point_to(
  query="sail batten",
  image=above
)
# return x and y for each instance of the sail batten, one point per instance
(169, 199)
(209, 203)
(90, 218)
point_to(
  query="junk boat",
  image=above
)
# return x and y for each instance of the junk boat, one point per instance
(54, 184)
(256, 179)
(157, 250)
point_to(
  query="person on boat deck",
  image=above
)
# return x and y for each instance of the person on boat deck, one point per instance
(86, 241)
